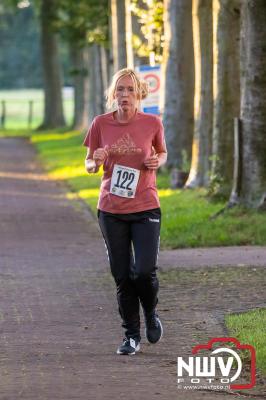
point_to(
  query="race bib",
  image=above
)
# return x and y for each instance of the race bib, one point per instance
(124, 181)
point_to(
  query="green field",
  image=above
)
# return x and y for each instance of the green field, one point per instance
(17, 106)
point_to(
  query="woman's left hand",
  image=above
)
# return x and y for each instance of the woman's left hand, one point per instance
(152, 162)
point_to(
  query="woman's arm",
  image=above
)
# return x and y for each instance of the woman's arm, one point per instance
(158, 159)
(162, 157)
(92, 163)
(90, 166)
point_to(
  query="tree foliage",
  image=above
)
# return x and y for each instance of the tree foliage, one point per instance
(150, 17)
(20, 49)
(83, 22)
(80, 23)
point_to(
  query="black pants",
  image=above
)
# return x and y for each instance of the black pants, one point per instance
(132, 242)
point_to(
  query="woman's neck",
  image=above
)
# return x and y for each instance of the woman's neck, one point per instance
(124, 115)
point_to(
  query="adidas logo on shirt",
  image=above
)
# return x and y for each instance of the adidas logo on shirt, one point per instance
(125, 145)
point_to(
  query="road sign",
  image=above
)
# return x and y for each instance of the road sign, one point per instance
(152, 76)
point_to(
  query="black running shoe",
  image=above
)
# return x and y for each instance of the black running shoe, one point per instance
(154, 328)
(129, 347)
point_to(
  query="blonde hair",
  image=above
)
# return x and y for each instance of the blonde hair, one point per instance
(141, 87)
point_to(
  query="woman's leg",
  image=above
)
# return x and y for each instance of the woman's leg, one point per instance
(146, 240)
(145, 231)
(117, 237)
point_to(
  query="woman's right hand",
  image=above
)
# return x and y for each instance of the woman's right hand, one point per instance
(99, 156)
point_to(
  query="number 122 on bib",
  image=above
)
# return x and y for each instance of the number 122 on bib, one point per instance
(124, 181)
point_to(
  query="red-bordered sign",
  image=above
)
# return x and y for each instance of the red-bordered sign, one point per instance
(153, 81)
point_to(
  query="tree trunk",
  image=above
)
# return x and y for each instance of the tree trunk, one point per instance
(105, 59)
(203, 99)
(81, 87)
(53, 105)
(96, 91)
(119, 34)
(110, 40)
(136, 30)
(226, 79)
(253, 103)
(129, 42)
(178, 80)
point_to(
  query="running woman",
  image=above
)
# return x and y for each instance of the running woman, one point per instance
(131, 147)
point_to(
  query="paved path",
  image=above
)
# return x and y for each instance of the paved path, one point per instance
(59, 324)
(238, 256)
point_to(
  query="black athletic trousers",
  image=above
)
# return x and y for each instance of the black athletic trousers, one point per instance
(132, 242)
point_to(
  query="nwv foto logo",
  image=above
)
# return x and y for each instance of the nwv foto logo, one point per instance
(222, 366)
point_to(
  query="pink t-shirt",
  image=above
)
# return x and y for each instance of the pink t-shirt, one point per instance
(128, 144)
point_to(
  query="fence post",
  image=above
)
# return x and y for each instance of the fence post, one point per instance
(30, 116)
(3, 114)
(237, 162)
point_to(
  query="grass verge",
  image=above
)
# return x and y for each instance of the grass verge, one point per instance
(186, 213)
(249, 328)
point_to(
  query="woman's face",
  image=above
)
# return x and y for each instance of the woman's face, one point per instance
(125, 94)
